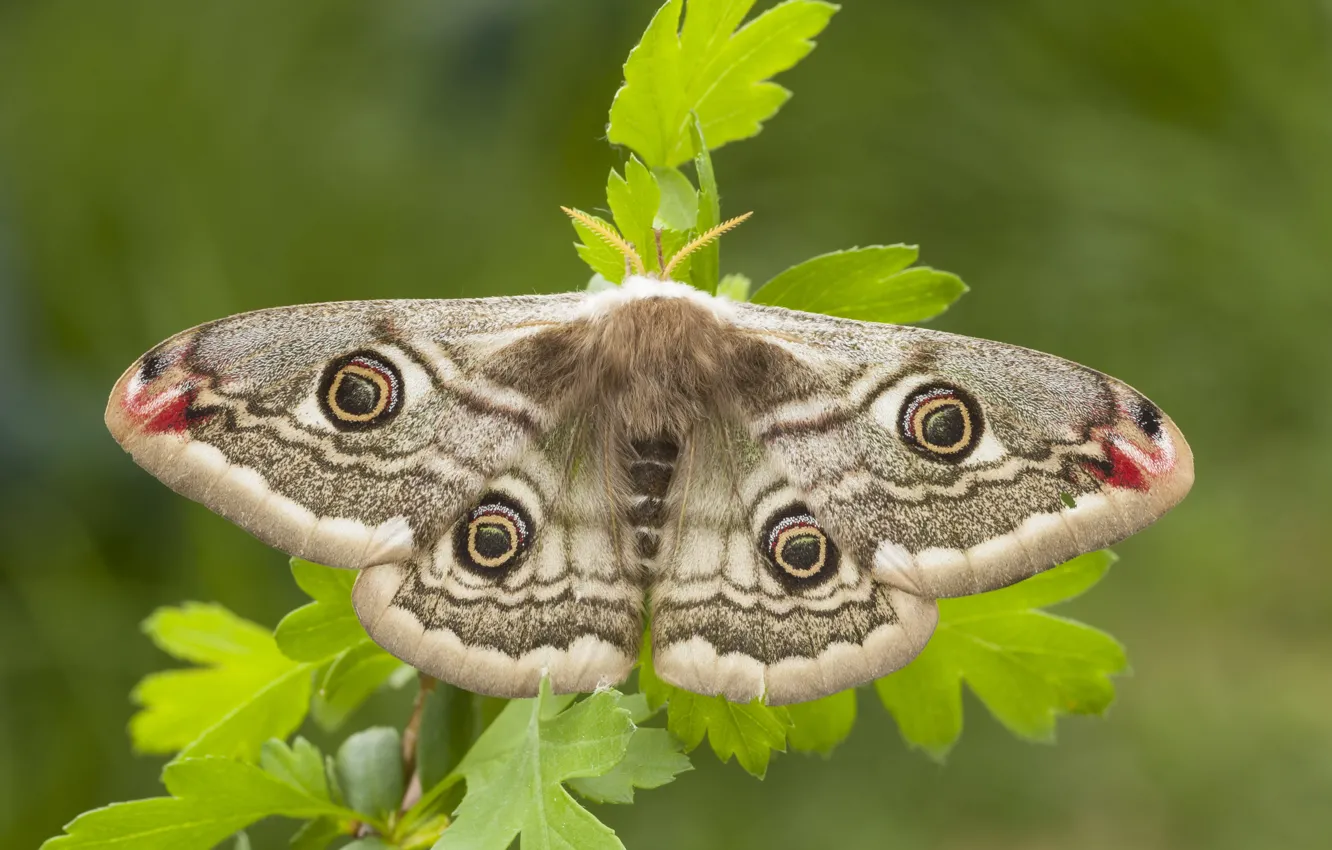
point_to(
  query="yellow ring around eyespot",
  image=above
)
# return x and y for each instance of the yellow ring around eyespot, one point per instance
(492, 519)
(918, 425)
(379, 380)
(797, 531)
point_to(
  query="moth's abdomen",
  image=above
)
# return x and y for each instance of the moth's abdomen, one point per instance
(651, 467)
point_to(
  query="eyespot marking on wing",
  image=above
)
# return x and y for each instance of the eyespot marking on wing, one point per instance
(360, 390)
(494, 536)
(798, 550)
(942, 422)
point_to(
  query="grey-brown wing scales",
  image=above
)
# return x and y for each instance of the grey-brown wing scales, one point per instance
(350, 433)
(751, 599)
(950, 465)
(840, 477)
(536, 577)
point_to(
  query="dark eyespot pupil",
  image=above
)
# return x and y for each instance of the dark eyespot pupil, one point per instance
(945, 427)
(356, 395)
(802, 552)
(493, 541)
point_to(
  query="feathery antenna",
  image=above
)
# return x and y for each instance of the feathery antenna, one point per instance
(701, 240)
(609, 236)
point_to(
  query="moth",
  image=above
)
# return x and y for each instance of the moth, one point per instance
(524, 482)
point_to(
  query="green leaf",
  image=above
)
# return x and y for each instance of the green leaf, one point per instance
(652, 760)
(734, 287)
(601, 257)
(706, 260)
(640, 710)
(926, 701)
(870, 284)
(750, 732)
(822, 724)
(1065, 582)
(671, 242)
(300, 765)
(1025, 665)
(251, 693)
(354, 675)
(369, 768)
(679, 200)
(709, 198)
(516, 770)
(321, 583)
(334, 787)
(317, 631)
(274, 709)
(644, 108)
(633, 200)
(711, 69)
(328, 631)
(212, 798)
(326, 626)
(205, 633)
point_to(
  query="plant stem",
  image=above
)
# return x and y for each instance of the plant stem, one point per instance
(410, 735)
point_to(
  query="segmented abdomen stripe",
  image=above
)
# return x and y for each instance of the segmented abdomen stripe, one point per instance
(651, 467)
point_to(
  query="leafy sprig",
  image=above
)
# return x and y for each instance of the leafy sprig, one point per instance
(711, 67)
(517, 771)
(475, 772)
(211, 798)
(327, 633)
(244, 692)
(1026, 665)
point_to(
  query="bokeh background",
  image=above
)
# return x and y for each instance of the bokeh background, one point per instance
(1144, 186)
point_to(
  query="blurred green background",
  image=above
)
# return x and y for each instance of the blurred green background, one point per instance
(1144, 186)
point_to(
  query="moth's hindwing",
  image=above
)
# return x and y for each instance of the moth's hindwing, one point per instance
(534, 577)
(754, 598)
